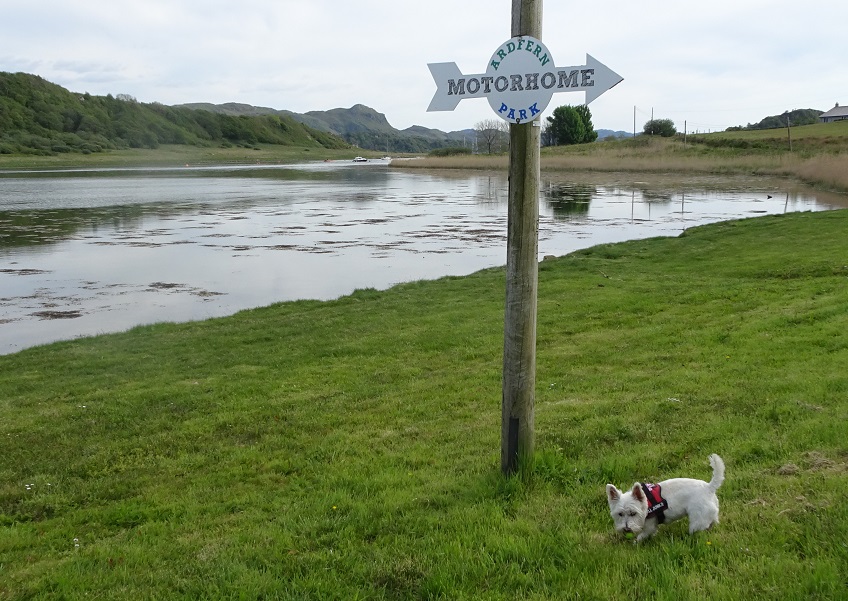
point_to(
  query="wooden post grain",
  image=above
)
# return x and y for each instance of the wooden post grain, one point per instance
(522, 269)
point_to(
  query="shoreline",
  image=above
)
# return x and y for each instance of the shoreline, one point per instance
(820, 161)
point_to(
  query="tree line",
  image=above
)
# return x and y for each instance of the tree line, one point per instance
(567, 125)
(789, 118)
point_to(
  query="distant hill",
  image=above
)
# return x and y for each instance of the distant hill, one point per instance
(608, 133)
(39, 117)
(796, 117)
(358, 125)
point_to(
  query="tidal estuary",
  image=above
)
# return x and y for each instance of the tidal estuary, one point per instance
(87, 252)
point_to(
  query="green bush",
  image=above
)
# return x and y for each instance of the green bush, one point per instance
(660, 127)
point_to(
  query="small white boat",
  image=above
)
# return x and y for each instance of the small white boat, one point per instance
(360, 160)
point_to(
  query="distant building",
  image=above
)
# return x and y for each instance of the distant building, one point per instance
(837, 113)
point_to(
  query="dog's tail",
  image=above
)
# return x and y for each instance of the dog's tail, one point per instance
(718, 472)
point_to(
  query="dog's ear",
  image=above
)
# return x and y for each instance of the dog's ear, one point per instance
(638, 493)
(613, 494)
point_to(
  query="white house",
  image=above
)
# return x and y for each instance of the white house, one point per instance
(837, 113)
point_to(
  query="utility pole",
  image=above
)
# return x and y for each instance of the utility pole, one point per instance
(789, 132)
(522, 273)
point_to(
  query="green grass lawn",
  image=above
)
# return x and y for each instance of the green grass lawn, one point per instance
(820, 131)
(807, 140)
(351, 449)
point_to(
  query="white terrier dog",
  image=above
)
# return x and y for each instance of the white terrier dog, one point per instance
(643, 508)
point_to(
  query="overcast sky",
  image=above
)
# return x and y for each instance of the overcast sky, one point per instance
(709, 64)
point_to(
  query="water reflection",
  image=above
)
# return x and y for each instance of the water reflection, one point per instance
(22, 228)
(97, 252)
(568, 200)
(657, 196)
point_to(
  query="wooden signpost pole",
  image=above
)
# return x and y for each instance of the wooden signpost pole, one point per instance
(519, 81)
(519, 358)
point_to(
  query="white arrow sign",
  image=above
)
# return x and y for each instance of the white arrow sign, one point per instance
(519, 81)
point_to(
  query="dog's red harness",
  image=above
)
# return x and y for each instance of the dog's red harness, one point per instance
(656, 504)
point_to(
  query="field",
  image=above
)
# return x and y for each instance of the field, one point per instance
(806, 138)
(819, 155)
(350, 449)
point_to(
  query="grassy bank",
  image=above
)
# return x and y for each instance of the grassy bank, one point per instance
(179, 155)
(819, 155)
(349, 449)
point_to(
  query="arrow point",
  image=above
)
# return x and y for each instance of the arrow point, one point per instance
(605, 78)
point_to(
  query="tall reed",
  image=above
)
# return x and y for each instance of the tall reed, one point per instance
(664, 156)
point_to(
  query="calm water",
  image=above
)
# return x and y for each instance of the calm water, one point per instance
(86, 252)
